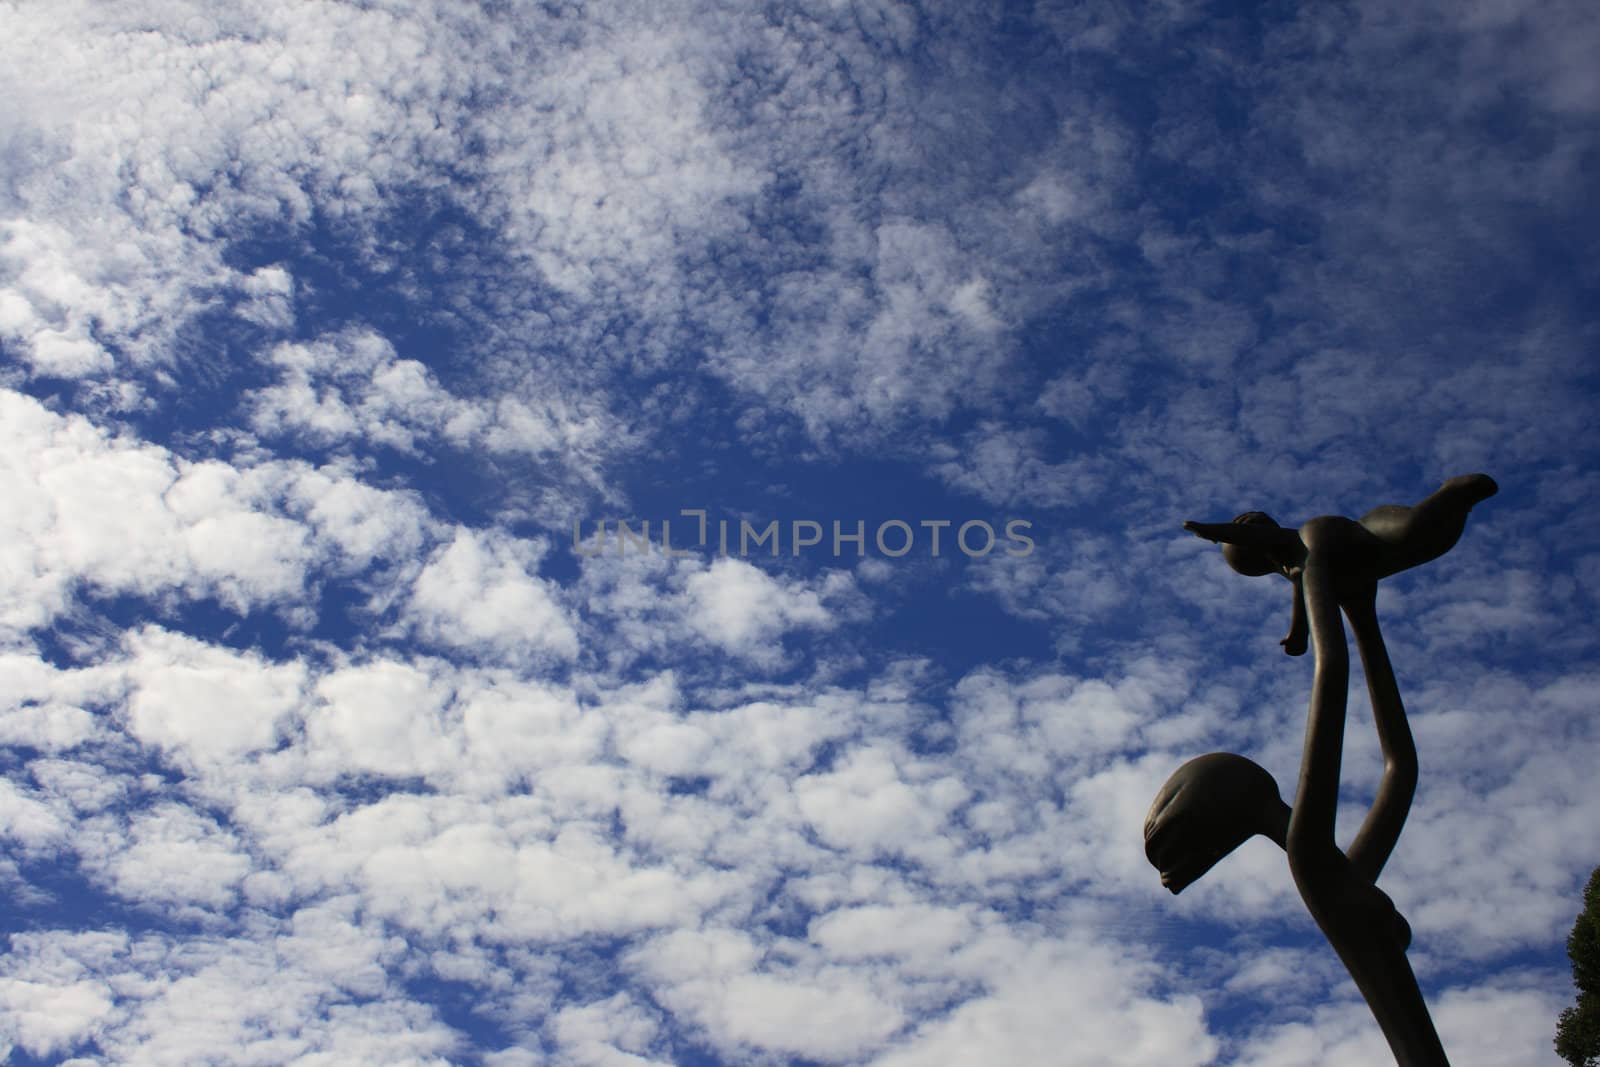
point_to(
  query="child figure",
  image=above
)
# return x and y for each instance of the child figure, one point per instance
(1386, 540)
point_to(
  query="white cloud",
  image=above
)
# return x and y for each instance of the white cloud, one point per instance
(271, 298)
(203, 703)
(381, 718)
(47, 708)
(157, 128)
(169, 854)
(830, 1016)
(47, 727)
(834, 1019)
(514, 840)
(1064, 1003)
(742, 609)
(85, 787)
(480, 595)
(1480, 1026)
(354, 385)
(866, 804)
(615, 1032)
(28, 821)
(513, 730)
(56, 1002)
(360, 523)
(279, 999)
(637, 600)
(603, 159)
(125, 517)
(919, 933)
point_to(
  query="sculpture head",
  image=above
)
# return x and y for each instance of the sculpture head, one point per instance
(1248, 560)
(1209, 807)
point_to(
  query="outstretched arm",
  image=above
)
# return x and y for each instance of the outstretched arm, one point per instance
(1317, 794)
(1277, 540)
(1376, 839)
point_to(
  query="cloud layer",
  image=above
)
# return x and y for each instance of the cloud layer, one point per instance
(321, 327)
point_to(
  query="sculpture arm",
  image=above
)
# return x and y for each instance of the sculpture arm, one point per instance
(1277, 540)
(1294, 643)
(1317, 793)
(1381, 829)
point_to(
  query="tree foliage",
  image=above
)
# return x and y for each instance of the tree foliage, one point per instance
(1578, 1030)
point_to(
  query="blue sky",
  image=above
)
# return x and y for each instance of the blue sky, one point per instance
(323, 324)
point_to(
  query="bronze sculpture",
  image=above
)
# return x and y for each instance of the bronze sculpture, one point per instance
(1214, 803)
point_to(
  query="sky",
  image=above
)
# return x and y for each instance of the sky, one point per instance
(341, 723)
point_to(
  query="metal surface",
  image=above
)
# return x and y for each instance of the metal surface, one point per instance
(1214, 803)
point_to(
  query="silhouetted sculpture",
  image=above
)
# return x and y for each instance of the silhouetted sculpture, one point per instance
(1214, 803)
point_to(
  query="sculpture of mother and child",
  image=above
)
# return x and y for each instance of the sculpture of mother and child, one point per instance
(1214, 803)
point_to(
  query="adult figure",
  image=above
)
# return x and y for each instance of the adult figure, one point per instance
(1214, 803)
